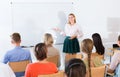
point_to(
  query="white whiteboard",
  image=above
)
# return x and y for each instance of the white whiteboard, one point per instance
(33, 19)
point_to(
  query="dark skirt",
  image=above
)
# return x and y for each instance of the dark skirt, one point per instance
(71, 45)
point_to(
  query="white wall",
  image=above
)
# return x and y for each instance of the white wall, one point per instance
(6, 23)
(102, 16)
(5, 26)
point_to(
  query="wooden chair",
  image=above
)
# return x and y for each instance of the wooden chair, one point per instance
(98, 71)
(54, 59)
(70, 56)
(58, 74)
(19, 66)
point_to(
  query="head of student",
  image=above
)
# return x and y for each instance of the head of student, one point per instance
(48, 39)
(98, 43)
(119, 40)
(40, 51)
(71, 19)
(75, 68)
(86, 47)
(15, 38)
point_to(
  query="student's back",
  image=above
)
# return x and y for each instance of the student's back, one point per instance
(48, 40)
(17, 53)
(52, 51)
(86, 47)
(41, 67)
(35, 69)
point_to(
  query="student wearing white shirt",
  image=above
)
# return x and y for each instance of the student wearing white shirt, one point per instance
(6, 71)
(72, 32)
(114, 66)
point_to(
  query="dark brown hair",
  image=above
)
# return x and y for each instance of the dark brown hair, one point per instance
(75, 68)
(98, 43)
(40, 51)
(16, 37)
(87, 46)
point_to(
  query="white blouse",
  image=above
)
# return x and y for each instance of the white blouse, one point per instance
(71, 30)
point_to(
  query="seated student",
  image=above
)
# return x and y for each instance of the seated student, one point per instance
(86, 47)
(118, 43)
(75, 68)
(115, 61)
(48, 40)
(116, 47)
(17, 54)
(41, 67)
(6, 71)
(98, 44)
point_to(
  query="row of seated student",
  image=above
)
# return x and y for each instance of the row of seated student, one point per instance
(18, 54)
(114, 66)
(23, 54)
(90, 61)
(82, 68)
(44, 67)
(86, 46)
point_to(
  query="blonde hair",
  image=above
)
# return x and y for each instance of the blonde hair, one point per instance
(48, 39)
(71, 14)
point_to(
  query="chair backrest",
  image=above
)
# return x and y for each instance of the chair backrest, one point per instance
(19, 66)
(98, 71)
(54, 59)
(70, 56)
(58, 74)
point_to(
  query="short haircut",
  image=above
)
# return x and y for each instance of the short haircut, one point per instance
(16, 37)
(75, 68)
(40, 51)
